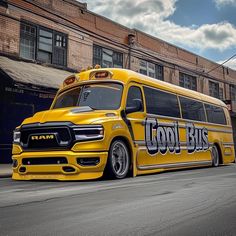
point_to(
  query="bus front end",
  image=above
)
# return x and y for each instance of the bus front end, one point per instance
(60, 150)
(71, 140)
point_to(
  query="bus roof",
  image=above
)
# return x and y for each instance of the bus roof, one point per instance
(125, 76)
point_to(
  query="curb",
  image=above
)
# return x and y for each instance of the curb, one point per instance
(5, 175)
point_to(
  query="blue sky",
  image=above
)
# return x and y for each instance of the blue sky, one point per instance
(205, 27)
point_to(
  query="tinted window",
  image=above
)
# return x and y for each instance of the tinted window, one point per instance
(102, 96)
(68, 98)
(215, 114)
(192, 110)
(134, 93)
(161, 103)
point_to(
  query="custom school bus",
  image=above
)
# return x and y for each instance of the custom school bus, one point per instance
(116, 122)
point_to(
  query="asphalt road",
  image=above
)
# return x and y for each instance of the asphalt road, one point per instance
(190, 202)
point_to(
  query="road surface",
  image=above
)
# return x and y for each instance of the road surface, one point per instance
(188, 202)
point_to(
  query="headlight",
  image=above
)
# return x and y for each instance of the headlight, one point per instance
(86, 133)
(16, 136)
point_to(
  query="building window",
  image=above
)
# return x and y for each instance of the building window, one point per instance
(27, 41)
(233, 92)
(151, 70)
(107, 58)
(214, 90)
(44, 45)
(60, 49)
(188, 81)
(221, 94)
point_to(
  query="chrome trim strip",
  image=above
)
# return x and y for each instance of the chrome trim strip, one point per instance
(174, 165)
(228, 154)
(185, 120)
(140, 142)
(220, 130)
(193, 121)
(182, 144)
(228, 144)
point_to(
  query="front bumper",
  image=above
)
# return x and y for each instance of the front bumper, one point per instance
(57, 171)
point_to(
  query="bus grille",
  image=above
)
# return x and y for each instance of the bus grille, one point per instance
(40, 137)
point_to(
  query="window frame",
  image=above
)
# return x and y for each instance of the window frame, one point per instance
(157, 69)
(142, 96)
(188, 79)
(211, 92)
(23, 35)
(100, 57)
(232, 88)
(54, 47)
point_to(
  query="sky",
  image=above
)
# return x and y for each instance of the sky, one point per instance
(204, 27)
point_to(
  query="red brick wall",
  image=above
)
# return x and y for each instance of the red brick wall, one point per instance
(9, 35)
(89, 29)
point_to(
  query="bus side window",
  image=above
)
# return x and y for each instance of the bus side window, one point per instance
(215, 114)
(192, 109)
(134, 93)
(161, 103)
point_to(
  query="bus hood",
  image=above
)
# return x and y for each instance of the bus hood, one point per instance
(80, 115)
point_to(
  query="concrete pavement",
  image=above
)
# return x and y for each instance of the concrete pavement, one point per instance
(5, 170)
(190, 202)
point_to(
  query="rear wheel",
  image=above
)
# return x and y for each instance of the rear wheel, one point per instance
(215, 156)
(118, 160)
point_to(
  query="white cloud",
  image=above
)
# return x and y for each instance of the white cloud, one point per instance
(222, 3)
(151, 16)
(231, 64)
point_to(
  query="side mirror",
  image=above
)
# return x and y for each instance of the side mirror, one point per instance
(136, 106)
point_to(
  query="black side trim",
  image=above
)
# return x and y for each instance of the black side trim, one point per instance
(128, 123)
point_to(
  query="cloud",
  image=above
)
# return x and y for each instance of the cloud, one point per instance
(151, 16)
(222, 3)
(231, 64)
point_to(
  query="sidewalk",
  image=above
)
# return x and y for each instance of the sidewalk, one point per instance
(5, 170)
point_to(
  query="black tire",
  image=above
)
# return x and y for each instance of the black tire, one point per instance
(215, 156)
(118, 161)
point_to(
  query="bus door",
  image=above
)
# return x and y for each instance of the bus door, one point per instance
(136, 119)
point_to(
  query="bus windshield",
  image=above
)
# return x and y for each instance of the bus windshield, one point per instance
(100, 96)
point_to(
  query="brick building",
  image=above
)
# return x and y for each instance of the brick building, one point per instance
(65, 35)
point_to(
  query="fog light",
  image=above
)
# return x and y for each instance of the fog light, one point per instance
(88, 161)
(22, 169)
(68, 169)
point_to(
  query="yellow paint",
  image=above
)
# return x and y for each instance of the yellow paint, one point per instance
(114, 126)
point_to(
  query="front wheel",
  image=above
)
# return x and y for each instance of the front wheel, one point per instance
(215, 156)
(118, 160)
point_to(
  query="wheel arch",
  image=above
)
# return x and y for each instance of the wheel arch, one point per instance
(130, 149)
(219, 151)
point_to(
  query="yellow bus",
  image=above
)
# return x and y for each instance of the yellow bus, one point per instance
(116, 122)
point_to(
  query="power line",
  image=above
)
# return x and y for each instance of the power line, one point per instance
(221, 64)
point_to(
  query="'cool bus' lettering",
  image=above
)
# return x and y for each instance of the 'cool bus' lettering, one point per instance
(165, 137)
(161, 138)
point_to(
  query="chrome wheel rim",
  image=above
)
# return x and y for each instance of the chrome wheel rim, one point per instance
(120, 159)
(215, 156)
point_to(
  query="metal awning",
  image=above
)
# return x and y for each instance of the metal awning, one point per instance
(30, 73)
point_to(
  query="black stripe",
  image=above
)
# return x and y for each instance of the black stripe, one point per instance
(128, 123)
